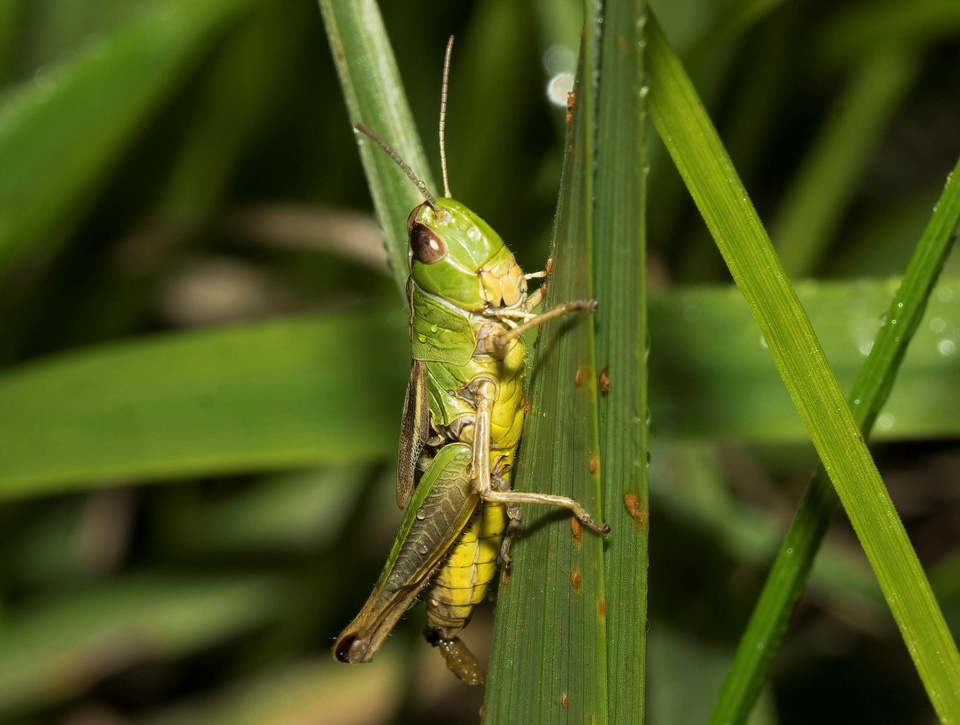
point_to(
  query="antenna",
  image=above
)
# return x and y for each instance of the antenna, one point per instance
(366, 130)
(443, 116)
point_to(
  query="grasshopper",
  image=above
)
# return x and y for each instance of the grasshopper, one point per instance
(461, 424)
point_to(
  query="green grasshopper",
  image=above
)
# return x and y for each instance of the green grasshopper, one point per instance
(461, 424)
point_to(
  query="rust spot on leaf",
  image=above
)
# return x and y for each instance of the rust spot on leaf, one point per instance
(565, 701)
(634, 506)
(602, 608)
(571, 104)
(604, 381)
(576, 528)
(578, 379)
(594, 466)
(576, 580)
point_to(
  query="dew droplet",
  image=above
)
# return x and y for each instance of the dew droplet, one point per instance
(558, 88)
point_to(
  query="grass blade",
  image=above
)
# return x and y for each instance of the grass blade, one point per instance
(548, 661)
(374, 95)
(706, 386)
(253, 397)
(621, 322)
(785, 583)
(67, 417)
(59, 140)
(713, 182)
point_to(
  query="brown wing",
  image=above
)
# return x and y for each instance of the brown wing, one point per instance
(414, 431)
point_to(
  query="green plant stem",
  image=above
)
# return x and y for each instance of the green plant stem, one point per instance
(716, 188)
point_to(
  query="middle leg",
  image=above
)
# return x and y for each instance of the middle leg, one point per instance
(484, 395)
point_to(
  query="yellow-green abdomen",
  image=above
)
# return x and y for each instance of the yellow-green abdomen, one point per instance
(465, 577)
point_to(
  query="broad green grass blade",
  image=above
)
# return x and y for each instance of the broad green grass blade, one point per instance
(621, 322)
(813, 206)
(128, 411)
(374, 94)
(60, 138)
(252, 397)
(785, 583)
(709, 175)
(708, 385)
(291, 511)
(58, 650)
(548, 660)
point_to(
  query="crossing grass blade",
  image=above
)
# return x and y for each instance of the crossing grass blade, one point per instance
(713, 182)
(785, 583)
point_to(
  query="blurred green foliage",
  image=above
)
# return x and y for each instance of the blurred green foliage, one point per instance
(194, 295)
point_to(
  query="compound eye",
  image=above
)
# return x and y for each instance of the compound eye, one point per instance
(426, 245)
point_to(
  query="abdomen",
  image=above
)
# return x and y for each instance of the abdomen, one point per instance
(462, 582)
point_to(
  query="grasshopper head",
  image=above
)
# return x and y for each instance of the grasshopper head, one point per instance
(456, 255)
